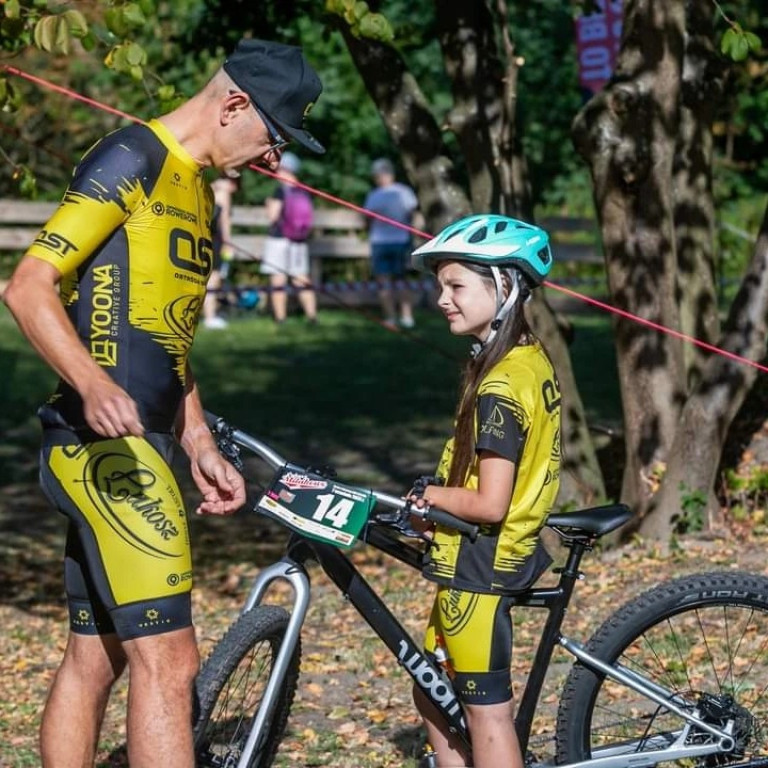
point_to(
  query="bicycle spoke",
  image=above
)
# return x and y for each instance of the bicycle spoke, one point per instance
(709, 651)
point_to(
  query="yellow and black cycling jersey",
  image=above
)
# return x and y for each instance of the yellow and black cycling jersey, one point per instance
(517, 416)
(132, 241)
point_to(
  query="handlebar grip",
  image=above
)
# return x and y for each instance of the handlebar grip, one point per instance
(451, 521)
(211, 419)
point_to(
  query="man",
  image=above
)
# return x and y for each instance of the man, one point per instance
(390, 244)
(109, 295)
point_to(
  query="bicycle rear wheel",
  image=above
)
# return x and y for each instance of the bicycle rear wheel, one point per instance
(704, 638)
(231, 685)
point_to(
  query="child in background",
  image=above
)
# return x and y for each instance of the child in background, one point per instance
(286, 252)
(501, 470)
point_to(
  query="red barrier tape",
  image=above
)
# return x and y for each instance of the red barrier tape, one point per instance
(338, 201)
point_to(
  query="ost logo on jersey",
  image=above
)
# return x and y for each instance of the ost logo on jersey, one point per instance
(190, 253)
(296, 481)
(55, 242)
(133, 501)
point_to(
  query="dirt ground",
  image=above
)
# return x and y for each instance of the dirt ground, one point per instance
(353, 706)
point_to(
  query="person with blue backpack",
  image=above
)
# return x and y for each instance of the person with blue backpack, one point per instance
(286, 253)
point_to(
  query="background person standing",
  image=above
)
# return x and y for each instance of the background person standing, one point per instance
(286, 253)
(223, 189)
(391, 245)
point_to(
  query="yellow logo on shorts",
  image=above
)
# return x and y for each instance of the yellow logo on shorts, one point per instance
(134, 501)
(456, 609)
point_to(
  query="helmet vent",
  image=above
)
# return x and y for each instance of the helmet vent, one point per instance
(479, 235)
(545, 255)
(500, 226)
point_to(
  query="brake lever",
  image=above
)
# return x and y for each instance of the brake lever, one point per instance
(228, 448)
(400, 522)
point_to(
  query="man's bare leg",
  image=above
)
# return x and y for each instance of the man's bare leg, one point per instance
(77, 700)
(162, 669)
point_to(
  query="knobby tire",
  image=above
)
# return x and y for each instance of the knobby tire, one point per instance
(703, 637)
(230, 687)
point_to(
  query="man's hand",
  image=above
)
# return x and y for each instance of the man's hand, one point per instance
(109, 410)
(221, 485)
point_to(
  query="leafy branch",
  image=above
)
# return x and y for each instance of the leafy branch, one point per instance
(737, 42)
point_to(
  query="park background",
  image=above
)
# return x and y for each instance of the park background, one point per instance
(375, 404)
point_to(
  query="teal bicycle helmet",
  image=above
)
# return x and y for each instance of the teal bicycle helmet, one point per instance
(506, 246)
(492, 240)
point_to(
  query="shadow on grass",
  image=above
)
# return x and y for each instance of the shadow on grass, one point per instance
(374, 404)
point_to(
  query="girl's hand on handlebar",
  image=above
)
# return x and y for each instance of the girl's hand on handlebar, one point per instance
(419, 523)
(221, 485)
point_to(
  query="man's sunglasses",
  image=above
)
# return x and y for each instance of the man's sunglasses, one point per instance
(276, 141)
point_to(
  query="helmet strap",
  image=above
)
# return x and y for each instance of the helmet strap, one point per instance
(503, 306)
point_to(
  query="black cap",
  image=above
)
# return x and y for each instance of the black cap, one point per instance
(280, 82)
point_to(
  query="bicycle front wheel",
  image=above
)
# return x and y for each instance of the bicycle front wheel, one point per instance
(231, 685)
(704, 640)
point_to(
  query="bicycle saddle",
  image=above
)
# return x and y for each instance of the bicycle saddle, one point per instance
(594, 521)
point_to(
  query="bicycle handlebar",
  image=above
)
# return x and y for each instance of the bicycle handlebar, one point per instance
(431, 514)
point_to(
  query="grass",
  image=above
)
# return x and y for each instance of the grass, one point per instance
(375, 404)
(347, 392)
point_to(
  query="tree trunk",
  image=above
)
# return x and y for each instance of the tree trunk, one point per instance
(694, 212)
(483, 121)
(484, 118)
(627, 133)
(711, 408)
(412, 128)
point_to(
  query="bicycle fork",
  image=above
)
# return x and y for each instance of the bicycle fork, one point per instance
(297, 577)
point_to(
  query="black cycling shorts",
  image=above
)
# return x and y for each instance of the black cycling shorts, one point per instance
(476, 632)
(128, 566)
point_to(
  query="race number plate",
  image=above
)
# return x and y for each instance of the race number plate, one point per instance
(316, 506)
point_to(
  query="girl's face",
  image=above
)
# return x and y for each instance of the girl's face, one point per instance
(467, 300)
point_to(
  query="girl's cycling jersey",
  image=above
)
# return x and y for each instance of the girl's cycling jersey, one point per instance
(517, 416)
(132, 241)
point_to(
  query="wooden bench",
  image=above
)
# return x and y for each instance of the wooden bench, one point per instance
(339, 235)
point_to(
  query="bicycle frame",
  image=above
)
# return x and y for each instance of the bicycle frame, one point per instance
(428, 676)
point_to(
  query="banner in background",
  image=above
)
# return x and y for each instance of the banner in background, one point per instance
(598, 36)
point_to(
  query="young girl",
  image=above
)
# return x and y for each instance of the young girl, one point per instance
(501, 469)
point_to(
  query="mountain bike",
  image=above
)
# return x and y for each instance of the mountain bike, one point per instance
(677, 674)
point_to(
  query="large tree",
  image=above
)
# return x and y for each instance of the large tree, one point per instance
(648, 140)
(482, 66)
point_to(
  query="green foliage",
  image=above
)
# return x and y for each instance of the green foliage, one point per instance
(362, 22)
(746, 493)
(737, 43)
(124, 29)
(693, 505)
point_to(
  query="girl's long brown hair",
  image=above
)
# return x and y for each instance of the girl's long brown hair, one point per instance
(507, 337)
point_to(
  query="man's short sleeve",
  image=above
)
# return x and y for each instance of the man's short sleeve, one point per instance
(106, 187)
(502, 426)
